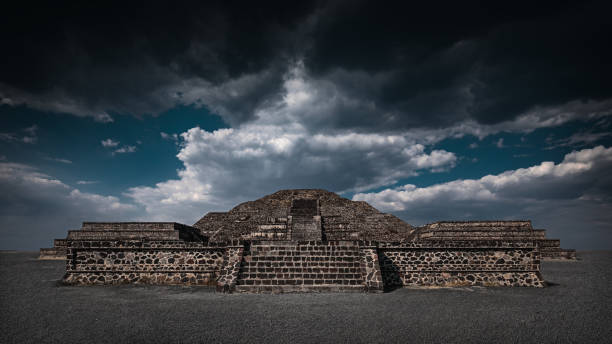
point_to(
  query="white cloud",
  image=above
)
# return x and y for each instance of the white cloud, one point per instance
(546, 176)
(125, 149)
(37, 207)
(281, 148)
(295, 138)
(171, 137)
(579, 139)
(226, 166)
(500, 143)
(109, 143)
(8, 137)
(87, 182)
(556, 196)
(27, 135)
(63, 161)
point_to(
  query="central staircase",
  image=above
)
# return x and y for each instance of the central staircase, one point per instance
(305, 220)
(306, 266)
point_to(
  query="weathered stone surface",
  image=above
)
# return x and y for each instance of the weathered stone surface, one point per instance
(439, 263)
(299, 266)
(57, 252)
(496, 230)
(307, 240)
(141, 261)
(230, 270)
(341, 219)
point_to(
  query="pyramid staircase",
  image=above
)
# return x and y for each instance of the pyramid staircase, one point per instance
(305, 220)
(302, 266)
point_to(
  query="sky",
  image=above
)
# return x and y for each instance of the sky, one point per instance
(431, 111)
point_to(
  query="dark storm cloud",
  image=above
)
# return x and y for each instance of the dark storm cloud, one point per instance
(117, 57)
(423, 65)
(447, 62)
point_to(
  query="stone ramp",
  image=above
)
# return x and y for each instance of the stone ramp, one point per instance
(305, 220)
(305, 266)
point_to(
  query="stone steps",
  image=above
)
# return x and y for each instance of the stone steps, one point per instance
(462, 234)
(281, 262)
(325, 277)
(323, 288)
(298, 267)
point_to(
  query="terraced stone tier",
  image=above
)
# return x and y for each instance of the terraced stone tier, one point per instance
(52, 253)
(57, 252)
(304, 266)
(557, 253)
(340, 218)
(135, 231)
(495, 231)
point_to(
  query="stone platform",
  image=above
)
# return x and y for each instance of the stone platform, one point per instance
(497, 230)
(57, 252)
(307, 266)
(308, 240)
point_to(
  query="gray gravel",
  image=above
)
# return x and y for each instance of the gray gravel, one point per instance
(34, 308)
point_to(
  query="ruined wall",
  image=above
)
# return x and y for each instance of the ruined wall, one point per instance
(455, 263)
(143, 261)
(57, 252)
(496, 231)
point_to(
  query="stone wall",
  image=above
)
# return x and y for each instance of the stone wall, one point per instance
(550, 249)
(370, 267)
(496, 231)
(57, 252)
(143, 261)
(135, 230)
(454, 263)
(308, 240)
(232, 261)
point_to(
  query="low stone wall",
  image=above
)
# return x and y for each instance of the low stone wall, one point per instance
(456, 263)
(370, 267)
(52, 253)
(284, 266)
(137, 261)
(57, 252)
(232, 261)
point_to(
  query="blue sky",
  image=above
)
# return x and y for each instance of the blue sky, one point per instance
(493, 112)
(69, 149)
(77, 141)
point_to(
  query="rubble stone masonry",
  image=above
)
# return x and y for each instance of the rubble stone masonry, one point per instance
(307, 240)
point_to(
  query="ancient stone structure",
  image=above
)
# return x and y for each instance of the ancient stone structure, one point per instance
(58, 251)
(308, 240)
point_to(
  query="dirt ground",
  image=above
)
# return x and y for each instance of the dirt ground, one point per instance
(35, 308)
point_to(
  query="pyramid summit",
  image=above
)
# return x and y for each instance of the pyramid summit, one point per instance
(306, 240)
(286, 213)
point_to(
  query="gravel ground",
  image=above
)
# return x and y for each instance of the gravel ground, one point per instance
(35, 308)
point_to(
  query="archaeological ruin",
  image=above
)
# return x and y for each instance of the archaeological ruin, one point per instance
(306, 240)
